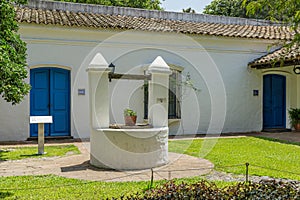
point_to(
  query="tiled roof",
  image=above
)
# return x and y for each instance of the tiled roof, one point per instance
(278, 58)
(54, 15)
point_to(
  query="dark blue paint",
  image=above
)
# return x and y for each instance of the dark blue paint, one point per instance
(50, 95)
(274, 105)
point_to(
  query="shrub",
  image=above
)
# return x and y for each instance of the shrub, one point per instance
(205, 190)
(271, 189)
(294, 115)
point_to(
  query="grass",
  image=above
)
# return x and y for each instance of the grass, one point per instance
(266, 157)
(55, 187)
(18, 153)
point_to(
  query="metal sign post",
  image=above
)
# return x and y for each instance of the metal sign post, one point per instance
(41, 120)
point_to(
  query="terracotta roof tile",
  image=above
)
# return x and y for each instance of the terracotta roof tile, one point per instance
(89, 19)
(278, 58)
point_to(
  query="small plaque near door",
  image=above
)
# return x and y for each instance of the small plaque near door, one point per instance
(40, 119)
(81, 91)
(255, 92)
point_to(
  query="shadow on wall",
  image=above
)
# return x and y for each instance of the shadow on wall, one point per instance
(175, 128)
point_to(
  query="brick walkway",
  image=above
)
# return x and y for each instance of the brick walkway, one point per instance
(77, 166)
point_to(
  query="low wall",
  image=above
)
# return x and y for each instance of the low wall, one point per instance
(129, 149)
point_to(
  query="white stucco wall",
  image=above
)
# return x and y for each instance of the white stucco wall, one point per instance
(217, 65)
(14, 121)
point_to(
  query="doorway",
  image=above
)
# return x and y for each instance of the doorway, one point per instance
(274, 101)
(50, 96)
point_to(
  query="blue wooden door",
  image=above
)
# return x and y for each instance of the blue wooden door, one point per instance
(39, 98)
(274, 106)
(50, 95)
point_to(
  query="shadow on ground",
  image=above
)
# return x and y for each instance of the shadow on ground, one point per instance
(3, 156)
(278, 140)
(31, 155)
(83, 166)
(5, 194)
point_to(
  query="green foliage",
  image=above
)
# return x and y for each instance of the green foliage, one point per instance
(171, 190)
(206, 190)
(13, 70)
(276, 10)
(294, 115)
(145, 4)
(196, 179)
(18, 153)
(188, 10)
(129, 112)
(266, 158)
(232, 8)
(287, 11)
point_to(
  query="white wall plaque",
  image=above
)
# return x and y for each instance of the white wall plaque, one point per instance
(40, 119)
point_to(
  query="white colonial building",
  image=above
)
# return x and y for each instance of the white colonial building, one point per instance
(217, 85)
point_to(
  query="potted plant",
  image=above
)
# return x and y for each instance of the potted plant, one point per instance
(294, 115)
(129, 117)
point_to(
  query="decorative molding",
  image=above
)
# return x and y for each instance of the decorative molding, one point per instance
(49, 66)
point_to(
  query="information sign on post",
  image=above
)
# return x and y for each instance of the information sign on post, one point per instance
(41, 120)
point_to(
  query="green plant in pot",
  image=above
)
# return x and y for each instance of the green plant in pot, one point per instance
(294, 115)
(129, 117)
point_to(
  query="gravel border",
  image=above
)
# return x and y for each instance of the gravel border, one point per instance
(229, 177)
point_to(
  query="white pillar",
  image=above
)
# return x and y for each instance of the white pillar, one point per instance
(98, 92)
(158, 93)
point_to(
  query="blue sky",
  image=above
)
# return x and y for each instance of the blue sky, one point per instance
(178, 5)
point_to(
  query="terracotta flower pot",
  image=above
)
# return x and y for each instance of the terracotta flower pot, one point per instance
(297, 127)
(130, 120)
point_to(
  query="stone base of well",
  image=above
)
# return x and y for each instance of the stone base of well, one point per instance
(129, 149)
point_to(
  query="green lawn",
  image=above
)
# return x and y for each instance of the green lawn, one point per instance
(54, 187)
(17, 153)
(266, 157)
(223, 152)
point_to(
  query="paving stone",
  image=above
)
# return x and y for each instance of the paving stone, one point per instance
(77, 166)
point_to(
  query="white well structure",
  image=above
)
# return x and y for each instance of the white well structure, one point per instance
(129, 148)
